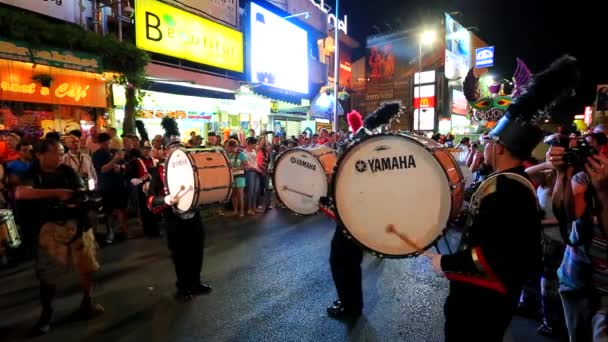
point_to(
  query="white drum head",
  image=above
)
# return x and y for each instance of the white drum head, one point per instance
(392, 180)
(180, 174)
(300, 181)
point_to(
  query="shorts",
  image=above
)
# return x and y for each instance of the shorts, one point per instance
(57, 253)
(239, 182)
(115, 200)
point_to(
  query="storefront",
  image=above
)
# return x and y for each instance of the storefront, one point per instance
(48, 95)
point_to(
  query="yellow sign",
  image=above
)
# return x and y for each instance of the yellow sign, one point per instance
(170, 31)
(274, 106)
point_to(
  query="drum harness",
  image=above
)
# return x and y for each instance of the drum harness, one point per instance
(488, 187)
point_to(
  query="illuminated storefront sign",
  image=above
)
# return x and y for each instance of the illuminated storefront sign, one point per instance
(424, 102)
(331, 17)
(170, 31)
(19, 51)
(67, 87)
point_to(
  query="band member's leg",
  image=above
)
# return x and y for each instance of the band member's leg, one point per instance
(197, 243)
(345, 261)
(178, 244)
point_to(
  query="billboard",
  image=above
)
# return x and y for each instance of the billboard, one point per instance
(225, 11)
(484, 57)
(73, 11)
(457, 49)
(278, 50)
(460, 104)
(170, 31)
(390, 64)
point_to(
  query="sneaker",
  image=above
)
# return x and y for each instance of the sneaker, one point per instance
(43, 326)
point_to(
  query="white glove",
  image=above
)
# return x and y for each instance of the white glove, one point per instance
(170, 200)
(136, 181)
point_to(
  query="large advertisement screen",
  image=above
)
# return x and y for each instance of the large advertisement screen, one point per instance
(173, 32)
(457, 49)
(279, 51)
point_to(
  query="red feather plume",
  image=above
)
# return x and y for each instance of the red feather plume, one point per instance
(355, 120)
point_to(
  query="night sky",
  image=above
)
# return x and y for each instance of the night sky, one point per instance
(538, 31)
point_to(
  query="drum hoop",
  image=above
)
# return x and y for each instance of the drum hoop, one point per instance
(196, 179)
(332, 193)
(274, 174)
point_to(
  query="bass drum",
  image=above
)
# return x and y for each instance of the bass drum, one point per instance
(198, 177)
(395, 193)
(301, 177)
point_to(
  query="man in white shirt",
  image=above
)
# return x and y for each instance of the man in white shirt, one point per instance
(80, 162)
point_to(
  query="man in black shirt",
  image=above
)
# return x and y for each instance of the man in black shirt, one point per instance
(64, 235)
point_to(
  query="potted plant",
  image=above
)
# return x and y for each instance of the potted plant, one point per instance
(44, 79)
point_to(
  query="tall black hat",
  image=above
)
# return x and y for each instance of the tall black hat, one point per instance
(518, 130)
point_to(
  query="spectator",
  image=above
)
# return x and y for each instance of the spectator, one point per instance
(18, 168)
(115, 141)
(238, 162)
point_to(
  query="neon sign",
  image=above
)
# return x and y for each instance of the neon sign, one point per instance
(331, 17)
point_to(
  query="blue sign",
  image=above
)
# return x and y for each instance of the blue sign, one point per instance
(484, 57)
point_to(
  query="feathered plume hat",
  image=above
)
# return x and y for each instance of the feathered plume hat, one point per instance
(518, 130)
(355, 121)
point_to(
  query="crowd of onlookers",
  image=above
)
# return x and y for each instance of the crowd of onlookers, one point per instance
(117, 168)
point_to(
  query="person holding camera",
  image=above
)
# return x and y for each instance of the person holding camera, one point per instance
(580, 201)
(64, 235)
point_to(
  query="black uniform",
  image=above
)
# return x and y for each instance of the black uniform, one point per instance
(498, 252)
(345, 261)
(133, 166)
(185, 237)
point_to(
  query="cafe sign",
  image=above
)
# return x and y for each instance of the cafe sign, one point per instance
(170, 31)
(19, 51)
(68, 87)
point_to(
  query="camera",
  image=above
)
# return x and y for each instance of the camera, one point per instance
(577, 149)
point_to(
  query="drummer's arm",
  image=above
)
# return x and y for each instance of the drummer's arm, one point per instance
(477, 158)
(477, 264)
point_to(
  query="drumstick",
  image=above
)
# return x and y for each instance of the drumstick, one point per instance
(391, 229)
(285, 188)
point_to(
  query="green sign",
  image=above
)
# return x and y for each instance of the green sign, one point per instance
(19, 51)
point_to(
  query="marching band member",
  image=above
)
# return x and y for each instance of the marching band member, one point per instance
(345, 261)
(500, 247)
(185, 235)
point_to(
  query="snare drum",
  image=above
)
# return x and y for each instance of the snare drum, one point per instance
(395, 193)
(198, 177)
(301, 177)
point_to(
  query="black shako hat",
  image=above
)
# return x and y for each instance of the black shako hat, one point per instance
(518, 130)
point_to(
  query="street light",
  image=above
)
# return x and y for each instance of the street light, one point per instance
(426, 38)
(336, 67)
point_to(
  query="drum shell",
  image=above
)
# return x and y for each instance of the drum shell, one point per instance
(212, 177)
(324, 155)
(450, 171)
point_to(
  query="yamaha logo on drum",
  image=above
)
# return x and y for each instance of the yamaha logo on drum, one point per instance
(178, 163)
(386, 164)
(304, 163)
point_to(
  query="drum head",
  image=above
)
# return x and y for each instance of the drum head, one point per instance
(393, 180)
(180, 173)
(300, 180)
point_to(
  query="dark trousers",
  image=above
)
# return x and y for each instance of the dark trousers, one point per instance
(345, 261)
(186, 239)
(477, 315)
(148, 219)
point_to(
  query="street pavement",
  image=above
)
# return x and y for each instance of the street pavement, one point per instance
(271, 282)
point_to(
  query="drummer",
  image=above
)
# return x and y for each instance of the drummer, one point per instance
(500, 248)
(185, 235)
